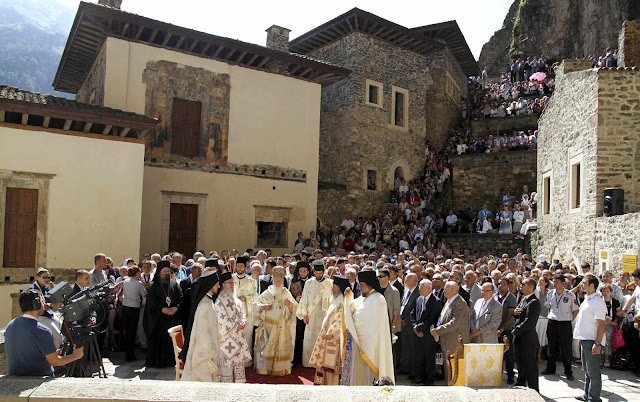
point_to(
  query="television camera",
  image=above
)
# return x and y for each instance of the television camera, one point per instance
(79, 329)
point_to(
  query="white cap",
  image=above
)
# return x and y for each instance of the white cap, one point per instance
(542, 258)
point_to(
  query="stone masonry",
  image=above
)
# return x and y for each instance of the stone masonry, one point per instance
(591, 119)
(357, 136)
(92, 89)
(628, 44)
(495, 244)
(480, 178)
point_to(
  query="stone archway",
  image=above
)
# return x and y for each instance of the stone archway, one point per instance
(399, 168)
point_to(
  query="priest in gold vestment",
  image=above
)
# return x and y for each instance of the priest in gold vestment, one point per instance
(367, 355)
(314, 303)
(327, 352)
(247, 291)
(275, 318)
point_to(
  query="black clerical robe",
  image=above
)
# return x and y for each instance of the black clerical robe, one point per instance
(156, 323)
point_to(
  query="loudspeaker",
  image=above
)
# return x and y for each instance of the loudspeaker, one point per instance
(613, 201)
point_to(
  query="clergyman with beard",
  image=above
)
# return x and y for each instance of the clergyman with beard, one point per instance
(163, 301)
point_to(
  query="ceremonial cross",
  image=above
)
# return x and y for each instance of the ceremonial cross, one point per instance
(230, 303)
(229, 347)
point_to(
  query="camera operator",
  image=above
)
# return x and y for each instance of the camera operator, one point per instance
(29, 344)
(98, 275)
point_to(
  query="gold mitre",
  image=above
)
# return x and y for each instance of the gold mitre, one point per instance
(279, 271)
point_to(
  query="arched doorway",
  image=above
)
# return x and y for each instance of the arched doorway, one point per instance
(398, 175)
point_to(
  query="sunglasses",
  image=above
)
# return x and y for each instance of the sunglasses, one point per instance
(382, 276)
(45, 277)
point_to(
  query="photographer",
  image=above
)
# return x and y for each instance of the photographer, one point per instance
(29, 344)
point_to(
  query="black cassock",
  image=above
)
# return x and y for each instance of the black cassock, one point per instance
(156, 324)
(296, 289)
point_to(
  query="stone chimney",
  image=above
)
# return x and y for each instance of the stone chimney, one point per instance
(111, 3)
(629, 44)
(278, 38)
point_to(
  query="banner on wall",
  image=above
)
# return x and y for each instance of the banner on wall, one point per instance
(629, 262)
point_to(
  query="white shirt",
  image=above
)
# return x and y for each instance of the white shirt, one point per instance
(347, 224)
(593, 308)
(452, 219)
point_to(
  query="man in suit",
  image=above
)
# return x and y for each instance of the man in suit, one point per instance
(525, 335)
(395, 280)
(407, 336)
(457, 277)
(485, 317)
(185, 285)
(424, 315)
(453, 321)
(352, 275)
(438, 287)
(470, 285)
(82, 281)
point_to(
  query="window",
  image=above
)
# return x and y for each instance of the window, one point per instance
(185, 128)
(372, 180)
(373, 93)
(575, 183)
(272, 234)
(546, 193)
(399, 108)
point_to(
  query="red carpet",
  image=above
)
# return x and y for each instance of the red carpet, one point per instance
(299, 375)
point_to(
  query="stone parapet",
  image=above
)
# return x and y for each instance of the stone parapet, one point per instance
(571, 65)
(492, 126)
(629, 44)
(480, 178)
(490, 243)
(97, 390)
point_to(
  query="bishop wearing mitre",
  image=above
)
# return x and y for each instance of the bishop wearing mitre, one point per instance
(367, 355)
(314, 303)
(327, 352)
(275, 318)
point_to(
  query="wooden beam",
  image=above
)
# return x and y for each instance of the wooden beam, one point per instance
(166, 39)
(182, 38)
(67, 125)
(106, 130)
(46, 121)
(124, 29)
(239, 59)
(25, 119)
(263, 62)
(217, 52)
(204, 50)
(193, 45)
(87, 127)
(124, 132)
(295, 70)
(229, 54)
(255, 56)
(140, 29)
(349, 24)
(302, 74)
(379, 31)
(153, 35)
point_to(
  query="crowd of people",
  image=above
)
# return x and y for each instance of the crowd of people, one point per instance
(271, 312)
(608, 60)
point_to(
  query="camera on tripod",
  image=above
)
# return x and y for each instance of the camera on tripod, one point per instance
(79, 331)
(78, 307)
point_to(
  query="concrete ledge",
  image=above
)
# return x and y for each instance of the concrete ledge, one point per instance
(75, 389)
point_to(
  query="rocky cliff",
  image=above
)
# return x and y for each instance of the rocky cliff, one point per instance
(559, 29)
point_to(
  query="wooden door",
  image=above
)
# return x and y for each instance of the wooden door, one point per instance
(185, 128)
(20, 225)
(183, 228)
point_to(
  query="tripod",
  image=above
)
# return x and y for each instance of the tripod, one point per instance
(91, 362)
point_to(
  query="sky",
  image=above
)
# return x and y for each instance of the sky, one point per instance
(247, 20)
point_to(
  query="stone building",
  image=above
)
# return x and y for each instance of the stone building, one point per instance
(233, 160)
(405, 89)
(588, 142)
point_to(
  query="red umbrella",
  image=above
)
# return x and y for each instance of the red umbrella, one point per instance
(539, 76)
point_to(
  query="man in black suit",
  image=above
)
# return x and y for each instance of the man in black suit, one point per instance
(423, 317)
(407, 337)
(438, 287)
(525, 336)
(395, 280)
(352, 275)
(186, 284)
(83, 279)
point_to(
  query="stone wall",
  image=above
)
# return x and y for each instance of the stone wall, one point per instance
(629, 44)
(492, 126)
(617, 235)
(167, 80)
(357, 136)
(568, 128)
(92, 89)
(618, 163)
(495, 244)
(480, 178)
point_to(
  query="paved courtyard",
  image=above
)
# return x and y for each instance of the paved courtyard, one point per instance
(616, 385)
